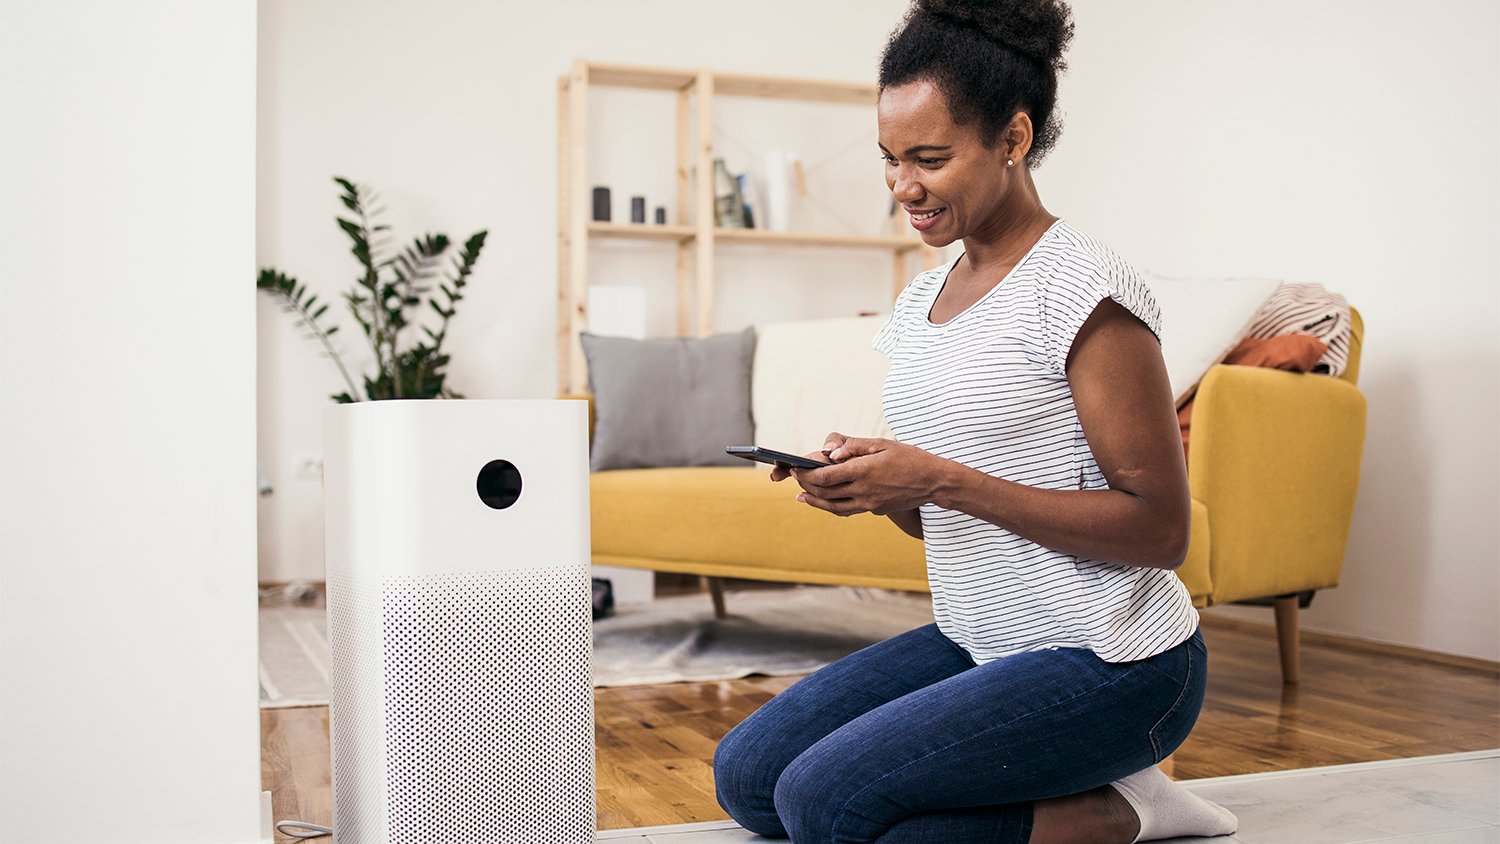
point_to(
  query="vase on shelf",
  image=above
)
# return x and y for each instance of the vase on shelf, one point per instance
(729, 202)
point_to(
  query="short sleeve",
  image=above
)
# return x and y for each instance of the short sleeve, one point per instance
(889, 335)
(1070, 296)
(904, 310)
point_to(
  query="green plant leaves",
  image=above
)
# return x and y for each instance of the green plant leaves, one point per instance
(385, 301)
(295, 299)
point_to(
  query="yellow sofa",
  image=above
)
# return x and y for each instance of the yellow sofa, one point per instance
(1273, 468)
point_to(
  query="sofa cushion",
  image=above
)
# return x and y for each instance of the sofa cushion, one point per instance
(1202, 319)
(816, 376)
(673, 401)
(733, 522)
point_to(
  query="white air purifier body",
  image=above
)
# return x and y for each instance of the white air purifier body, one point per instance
(459, 622)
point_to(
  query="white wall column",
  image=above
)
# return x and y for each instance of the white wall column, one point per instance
(127, 435)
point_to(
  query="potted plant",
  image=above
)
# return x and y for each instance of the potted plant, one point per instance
(390, 299)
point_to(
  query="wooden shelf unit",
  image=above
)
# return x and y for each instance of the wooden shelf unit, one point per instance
(641, 231)
(693, 231)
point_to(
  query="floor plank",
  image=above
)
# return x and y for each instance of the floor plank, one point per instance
(655, 743)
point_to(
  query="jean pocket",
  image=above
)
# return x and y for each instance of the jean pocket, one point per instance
(1172, 729)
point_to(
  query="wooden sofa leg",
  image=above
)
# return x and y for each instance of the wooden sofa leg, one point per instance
(716, 590)
(1287, 639)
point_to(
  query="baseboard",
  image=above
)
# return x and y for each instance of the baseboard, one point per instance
(1358, 645)
(669, 829)
(267, 819)
(1348, 768)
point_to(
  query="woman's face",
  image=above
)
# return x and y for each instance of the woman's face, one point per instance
(940, 172)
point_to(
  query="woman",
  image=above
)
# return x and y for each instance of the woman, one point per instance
(1039, 460)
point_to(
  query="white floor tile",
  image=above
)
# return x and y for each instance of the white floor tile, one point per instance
(1222, 839)
(1482, 835)
(1438, 800)
(1324, 810)
(734, 835)
(1471, 789)
(710, 832)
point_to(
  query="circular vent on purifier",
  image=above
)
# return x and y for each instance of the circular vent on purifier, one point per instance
(499, 484)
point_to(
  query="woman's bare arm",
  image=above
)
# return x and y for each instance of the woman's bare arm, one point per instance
(1124, 404)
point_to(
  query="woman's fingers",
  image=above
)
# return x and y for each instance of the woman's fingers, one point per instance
(857, 447)
(825, 482)
(833, 441)
(780, 472)
(838, 507)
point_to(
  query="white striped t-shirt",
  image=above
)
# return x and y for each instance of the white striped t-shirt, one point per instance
(989, 389)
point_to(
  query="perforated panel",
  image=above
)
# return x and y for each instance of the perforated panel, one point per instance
(356, 722)
(486, 713)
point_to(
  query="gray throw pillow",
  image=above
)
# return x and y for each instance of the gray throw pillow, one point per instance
(674, 401)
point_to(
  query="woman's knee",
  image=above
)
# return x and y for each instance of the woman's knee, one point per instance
(745, 782)
(733, 761)
(816, 801)
(801, 800)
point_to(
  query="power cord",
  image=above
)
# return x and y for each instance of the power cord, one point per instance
(298, 829)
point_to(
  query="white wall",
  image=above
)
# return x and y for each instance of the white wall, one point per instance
(1352, 143)
(127, 604)
(1356, 144)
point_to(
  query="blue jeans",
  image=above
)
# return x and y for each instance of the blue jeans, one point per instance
(909, 741)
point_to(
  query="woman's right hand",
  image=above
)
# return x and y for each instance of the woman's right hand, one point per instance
(833, 441)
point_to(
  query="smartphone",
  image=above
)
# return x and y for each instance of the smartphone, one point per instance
(766, 455)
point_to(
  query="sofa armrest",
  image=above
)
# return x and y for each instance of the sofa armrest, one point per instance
(1275, 458)
(588, 397)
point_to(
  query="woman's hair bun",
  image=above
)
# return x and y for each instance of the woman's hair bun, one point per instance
(1037, 29)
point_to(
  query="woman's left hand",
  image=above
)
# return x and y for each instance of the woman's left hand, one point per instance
(870, 476)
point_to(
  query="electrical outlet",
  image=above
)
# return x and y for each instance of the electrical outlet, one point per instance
(310, 466)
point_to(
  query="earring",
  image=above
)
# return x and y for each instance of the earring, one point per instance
(1010, 162)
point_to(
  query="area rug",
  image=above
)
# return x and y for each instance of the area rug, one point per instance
(772, 632)
(293, 657)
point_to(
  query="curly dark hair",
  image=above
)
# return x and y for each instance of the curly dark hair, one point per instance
(989, 58)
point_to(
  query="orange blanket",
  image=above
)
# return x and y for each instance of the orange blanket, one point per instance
(1293, 352)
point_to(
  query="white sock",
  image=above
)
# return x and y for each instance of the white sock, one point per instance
(1167, 810)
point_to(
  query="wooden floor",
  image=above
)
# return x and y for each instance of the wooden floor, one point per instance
(656, 742)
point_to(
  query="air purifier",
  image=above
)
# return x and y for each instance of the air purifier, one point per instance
(458, 613)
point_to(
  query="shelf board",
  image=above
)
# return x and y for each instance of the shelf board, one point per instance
(780, 87)
(651, 231)
(734, 84)
(632, 76)
(641, 231)
(896, 242)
